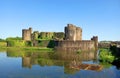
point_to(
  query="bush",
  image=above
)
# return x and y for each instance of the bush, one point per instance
(28, 43)
(19, 43)
(51, 44)
(16, 43)
(46, 43)
(106, 56)
(43, 43)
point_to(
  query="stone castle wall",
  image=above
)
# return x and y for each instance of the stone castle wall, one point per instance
(27, 35)
(70, 40)
(95, 39)
(73, 40)
(75, 45)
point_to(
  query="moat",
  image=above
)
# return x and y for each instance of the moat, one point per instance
(53, 65)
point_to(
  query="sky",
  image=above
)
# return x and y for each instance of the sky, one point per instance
(96, 17)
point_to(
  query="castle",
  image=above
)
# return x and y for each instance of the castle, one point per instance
(70, 40)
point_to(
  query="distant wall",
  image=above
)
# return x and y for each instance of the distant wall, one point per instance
(51, 35)
(104, 45)
(46, 35)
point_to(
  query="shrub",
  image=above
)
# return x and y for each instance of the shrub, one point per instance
(28, 43)
(106, 56)
(16, 43)
(51, 44)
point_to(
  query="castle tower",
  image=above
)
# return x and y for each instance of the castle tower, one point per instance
(26, 34)
(95, 39)
(78, 33)
(73, 33)
(35, 35)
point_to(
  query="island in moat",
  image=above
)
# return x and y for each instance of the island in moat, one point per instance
(70, 39)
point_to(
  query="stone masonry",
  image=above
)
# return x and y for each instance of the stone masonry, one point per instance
(71, 39)
(26, 34)
(73, 33)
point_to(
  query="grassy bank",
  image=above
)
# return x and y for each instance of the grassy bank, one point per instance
(33, 49)
(37, 48)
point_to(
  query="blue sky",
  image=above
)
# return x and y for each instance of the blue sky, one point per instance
(96, 17)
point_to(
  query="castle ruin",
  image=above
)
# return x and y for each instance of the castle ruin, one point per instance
(69, 40)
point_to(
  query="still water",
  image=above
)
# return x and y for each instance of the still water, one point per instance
(15, 64)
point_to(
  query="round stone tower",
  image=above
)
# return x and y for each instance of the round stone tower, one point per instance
(73, 33)
(26, 34)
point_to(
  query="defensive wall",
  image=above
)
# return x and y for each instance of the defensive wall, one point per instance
(73, 40)
(69, 45)
(75, 45)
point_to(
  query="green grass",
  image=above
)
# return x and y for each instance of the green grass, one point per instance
(27, 49)
(38, 48)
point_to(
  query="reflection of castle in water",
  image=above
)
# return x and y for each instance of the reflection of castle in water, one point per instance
(34, 58)
(68, 60)
(58, 59)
